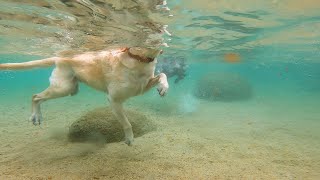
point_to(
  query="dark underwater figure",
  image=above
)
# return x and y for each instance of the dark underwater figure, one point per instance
(173, 67)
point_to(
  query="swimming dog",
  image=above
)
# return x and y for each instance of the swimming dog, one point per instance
(120, 73)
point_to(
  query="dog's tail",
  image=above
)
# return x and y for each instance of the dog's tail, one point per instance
(31, 64)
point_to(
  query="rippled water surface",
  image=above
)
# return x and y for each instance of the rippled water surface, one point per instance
(275, 28)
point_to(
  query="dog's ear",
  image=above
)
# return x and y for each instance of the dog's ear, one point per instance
(128, 62)
(137, 51)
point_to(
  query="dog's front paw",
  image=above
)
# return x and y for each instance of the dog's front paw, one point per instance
(36, 118)
(163, 84)
(129, 141)
(128, 136)
(163, 88)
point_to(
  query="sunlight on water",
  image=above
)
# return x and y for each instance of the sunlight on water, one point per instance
(45, 27)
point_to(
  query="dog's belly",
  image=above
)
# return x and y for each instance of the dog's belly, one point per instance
(127, 86)
(92, 77)
(95, 84)
(112, 77)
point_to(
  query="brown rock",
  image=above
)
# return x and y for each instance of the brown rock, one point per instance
(223, 86)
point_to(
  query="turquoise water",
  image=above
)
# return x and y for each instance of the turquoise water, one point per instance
(272, 133)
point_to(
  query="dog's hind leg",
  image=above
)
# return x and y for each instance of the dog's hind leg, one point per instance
(62, 83)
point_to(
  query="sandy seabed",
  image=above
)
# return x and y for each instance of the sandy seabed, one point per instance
(258, 139)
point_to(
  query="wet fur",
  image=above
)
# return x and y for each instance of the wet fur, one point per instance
(114, 72)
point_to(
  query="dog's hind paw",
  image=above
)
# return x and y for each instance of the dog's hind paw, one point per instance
(36, 119)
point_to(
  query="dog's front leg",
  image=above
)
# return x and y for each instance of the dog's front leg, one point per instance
(117, 110)
(161, 80)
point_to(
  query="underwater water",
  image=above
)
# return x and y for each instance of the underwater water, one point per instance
(247, 106)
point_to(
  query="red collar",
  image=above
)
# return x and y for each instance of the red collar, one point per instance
(137, 57)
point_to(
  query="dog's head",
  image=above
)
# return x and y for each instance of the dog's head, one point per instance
(144, 54)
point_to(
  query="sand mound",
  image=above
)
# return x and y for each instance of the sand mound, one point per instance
(223, 87)
(100, 125)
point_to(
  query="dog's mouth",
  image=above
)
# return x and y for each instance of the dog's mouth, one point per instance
(142, 55)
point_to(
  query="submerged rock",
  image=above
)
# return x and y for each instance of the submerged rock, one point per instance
(223, 87)
(100, 125)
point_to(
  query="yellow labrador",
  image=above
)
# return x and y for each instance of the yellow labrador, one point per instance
(120, 73)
